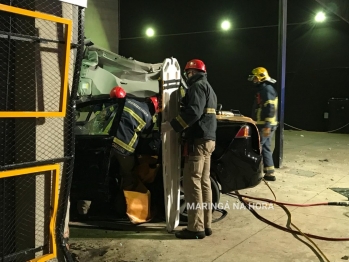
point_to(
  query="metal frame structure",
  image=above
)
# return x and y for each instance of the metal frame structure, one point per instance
(61, 167)
(64, 87)
(54, 201)
(279, 133)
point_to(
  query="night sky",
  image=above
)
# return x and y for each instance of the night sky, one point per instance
(317, 54)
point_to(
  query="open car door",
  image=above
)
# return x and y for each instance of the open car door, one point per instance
(171, 147)
(94, 119)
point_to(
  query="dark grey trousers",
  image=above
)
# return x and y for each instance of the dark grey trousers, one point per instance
(267, 153)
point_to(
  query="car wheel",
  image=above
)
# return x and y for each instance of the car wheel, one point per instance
(183, 215)
(260, 169)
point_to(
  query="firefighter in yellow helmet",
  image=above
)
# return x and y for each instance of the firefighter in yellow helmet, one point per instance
(265, 114)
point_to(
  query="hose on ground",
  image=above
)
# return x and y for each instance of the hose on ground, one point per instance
(224, 214)
(276, 225)
(283, 206)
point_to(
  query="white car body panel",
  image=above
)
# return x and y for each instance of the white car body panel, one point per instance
(171, 148)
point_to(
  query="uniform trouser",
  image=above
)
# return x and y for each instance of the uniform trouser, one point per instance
(267, 153)
(129, 180)
(127, 164)
(197, 185)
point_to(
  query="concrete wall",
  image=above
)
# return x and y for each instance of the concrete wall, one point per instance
(102, 23)
(37, 83)
(34, 83)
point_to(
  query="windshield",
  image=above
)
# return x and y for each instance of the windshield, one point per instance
(95, 119)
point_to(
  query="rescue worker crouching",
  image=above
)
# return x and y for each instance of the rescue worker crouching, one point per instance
(265, 114)
(137, 117)
(198, 121)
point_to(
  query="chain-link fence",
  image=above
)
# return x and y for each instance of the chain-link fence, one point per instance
(41, 47)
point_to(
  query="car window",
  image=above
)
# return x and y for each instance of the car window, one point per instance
(95, 119)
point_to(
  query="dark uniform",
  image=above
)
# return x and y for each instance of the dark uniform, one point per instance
(265, 114)
(199, 110)
(135, 119)
(198, 120)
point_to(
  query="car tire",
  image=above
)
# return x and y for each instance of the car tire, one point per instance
(260, 171)
(183, 217)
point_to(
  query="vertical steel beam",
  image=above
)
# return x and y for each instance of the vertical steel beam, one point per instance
(279, 134)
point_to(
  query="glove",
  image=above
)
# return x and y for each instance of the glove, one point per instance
(166, 126)
(266, 131)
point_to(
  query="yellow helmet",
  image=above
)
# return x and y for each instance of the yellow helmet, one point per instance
(261, 74)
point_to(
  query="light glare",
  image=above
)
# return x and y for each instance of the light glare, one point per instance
(225, 25)
(320, 17)
(150, 32)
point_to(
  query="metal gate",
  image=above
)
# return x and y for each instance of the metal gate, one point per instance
(41, 48)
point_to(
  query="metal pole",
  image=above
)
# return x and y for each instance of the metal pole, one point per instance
(279, 134)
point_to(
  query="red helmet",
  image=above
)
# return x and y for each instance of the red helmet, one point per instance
(155, 103)
(195, 64)
(117, 92)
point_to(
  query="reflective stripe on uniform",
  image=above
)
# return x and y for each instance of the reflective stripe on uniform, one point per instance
(155, 126)
(135, 116)
(210, 111)
(272, 120)
(110, 110)
(182, 92)
(181, 121)
(133, 140)
(268, 168)
(273, 102)
(106, 130)
(129, 147)
(123, 145)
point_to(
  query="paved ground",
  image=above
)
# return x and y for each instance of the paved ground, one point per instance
(313, 163)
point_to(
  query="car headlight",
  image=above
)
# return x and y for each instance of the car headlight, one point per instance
(85, 87)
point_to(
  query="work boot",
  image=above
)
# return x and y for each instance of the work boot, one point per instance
(187, 234)
(269, 177)
(208, 231)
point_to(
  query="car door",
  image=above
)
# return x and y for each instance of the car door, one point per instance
(97, 120)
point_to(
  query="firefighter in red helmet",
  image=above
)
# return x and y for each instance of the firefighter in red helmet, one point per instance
(117, 92)
(136, 118)
(198, 122)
